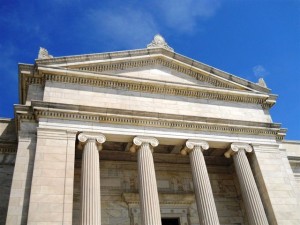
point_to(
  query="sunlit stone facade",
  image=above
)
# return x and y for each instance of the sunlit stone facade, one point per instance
(144, 137)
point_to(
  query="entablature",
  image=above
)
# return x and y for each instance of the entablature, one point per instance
(39, 110)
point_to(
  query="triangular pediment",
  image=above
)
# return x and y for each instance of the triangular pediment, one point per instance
(153, 64)
(159, 69)
(160, 73)
(156, 72)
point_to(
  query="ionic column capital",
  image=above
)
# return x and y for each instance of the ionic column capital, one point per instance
(192, 144)
(139, 140)
(235, 147)
(83, 138)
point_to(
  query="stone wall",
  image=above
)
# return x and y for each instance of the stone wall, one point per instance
(35, 92)
(276, 183)
(148, 102)
(119, 193)
(8, 146)
(292, 149)
(6, 174)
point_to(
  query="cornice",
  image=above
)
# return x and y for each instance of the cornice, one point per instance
(23, 113)
(294, 159)
(281, 134)
(131, 54)
(151, 87)
(122, 117)
(179, 67)
(8, 148)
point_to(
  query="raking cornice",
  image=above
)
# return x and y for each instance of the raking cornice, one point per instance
(132, 55)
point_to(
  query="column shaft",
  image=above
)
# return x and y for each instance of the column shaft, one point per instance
(253, 204)
(147, 187)
(204, 197)
(90, 185)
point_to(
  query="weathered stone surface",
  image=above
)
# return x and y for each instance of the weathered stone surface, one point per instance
(17, 212)
(276, 183)
(52, 180)
(178, 196)
(150, 102)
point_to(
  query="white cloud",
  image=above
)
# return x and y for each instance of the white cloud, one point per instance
(184, 15)
(129, 27)
(259, 71)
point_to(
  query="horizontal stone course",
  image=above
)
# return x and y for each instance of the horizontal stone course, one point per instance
(195, 107)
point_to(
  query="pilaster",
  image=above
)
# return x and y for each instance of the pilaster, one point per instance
(17, 212)
(51, 197)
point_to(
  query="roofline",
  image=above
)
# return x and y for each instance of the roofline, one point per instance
(291, 141)
(149, 52)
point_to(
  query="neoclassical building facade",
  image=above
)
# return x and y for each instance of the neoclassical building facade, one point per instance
(144, 137)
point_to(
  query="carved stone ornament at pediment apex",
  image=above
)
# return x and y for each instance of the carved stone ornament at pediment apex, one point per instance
(159, 42)
(43, 54)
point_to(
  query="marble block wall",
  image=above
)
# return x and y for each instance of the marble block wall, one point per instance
(175, 186)
(150, 102)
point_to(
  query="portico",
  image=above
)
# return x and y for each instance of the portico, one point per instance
(90, 142)
(202, 189)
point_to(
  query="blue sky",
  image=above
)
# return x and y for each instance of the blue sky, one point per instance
(248, 38)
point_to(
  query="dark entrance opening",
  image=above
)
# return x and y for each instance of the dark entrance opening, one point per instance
(170, 221)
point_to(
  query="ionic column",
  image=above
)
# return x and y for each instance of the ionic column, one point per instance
(204, 197)
(253, 204)
(90, 178)
(149, 201)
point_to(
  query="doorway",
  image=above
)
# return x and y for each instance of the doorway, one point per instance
(170, 221)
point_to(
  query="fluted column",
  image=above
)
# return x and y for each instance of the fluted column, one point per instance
(253, 204)
(90, 178)
(149, 201)
(204, 196)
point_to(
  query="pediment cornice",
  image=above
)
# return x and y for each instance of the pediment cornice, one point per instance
(132, 58)
(40, 110)
(140, 85)
(178, 66)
